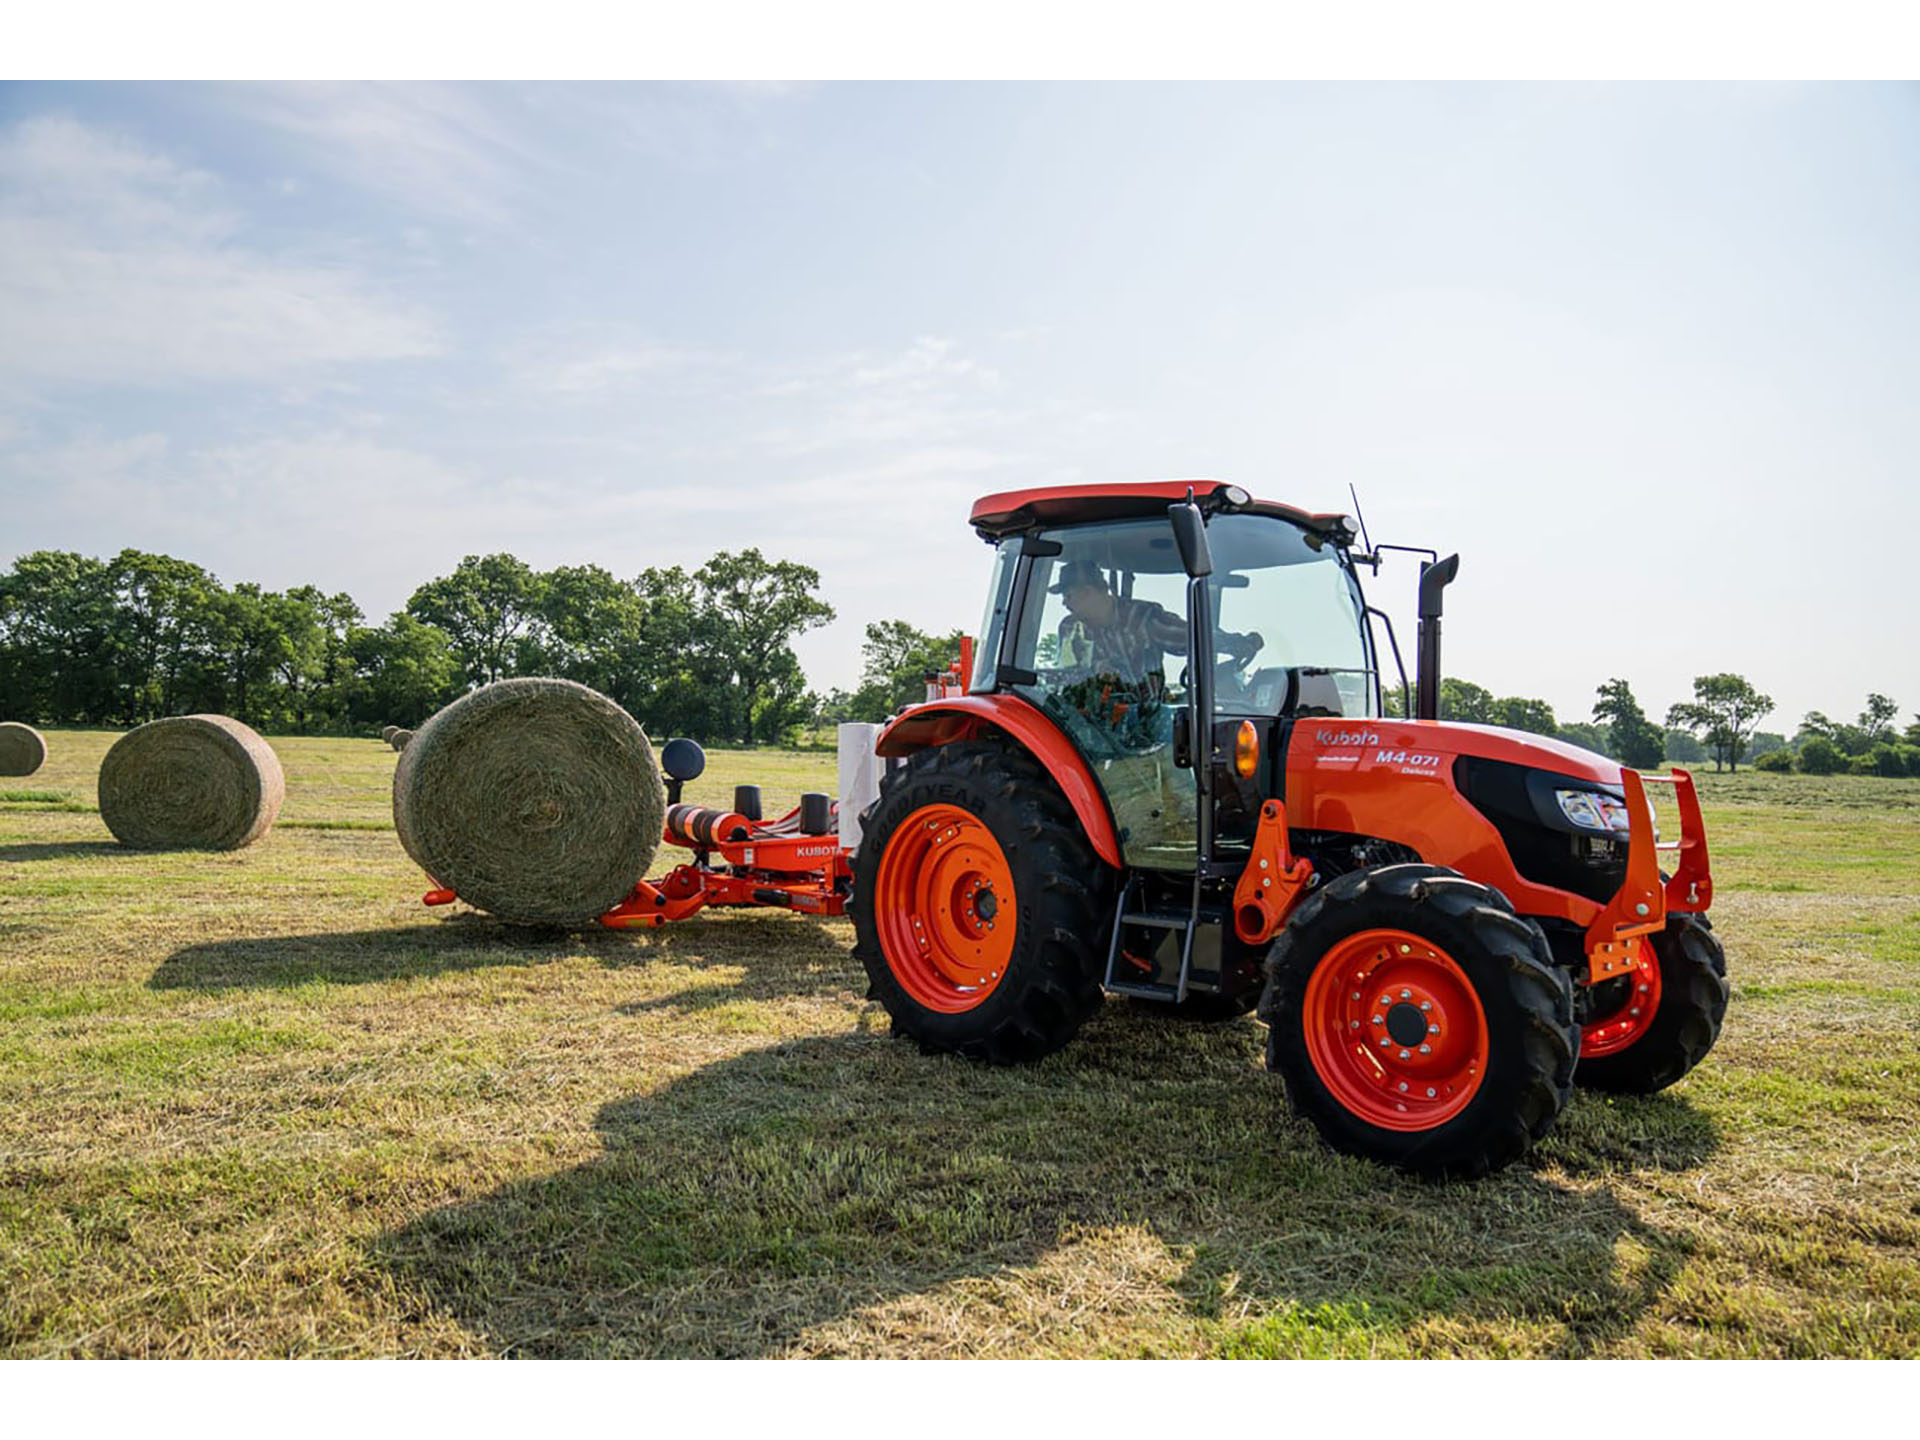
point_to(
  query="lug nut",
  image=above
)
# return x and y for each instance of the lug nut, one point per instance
(1426, 1049)
(1377, 1020)
(1406, 994)
(1426, 1004)
(1433, 1029)
(1429, 1092)
(1405, 1056)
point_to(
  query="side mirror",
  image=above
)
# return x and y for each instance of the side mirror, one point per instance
(1190, 534)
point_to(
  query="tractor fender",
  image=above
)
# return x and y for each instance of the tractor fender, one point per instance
(941, 722)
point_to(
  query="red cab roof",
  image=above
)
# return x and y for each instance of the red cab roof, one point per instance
(1010, 510)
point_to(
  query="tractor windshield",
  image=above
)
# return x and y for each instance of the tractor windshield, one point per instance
(1286, 603)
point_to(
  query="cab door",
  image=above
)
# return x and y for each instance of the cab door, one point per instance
(1111, 672)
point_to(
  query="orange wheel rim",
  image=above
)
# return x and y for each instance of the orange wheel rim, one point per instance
(1612, 1030)
(1395, 1030)
(944, 906)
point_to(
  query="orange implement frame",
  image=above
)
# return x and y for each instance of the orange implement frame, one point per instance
(808, 873)
(1640, 906)
(767, 866)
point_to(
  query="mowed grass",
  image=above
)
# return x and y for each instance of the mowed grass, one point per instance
(266, 1104)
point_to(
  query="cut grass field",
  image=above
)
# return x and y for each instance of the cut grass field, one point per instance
(264, 1103)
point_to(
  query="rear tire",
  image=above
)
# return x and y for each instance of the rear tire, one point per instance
(1461, 973)
(965, 840)
(1692, 996)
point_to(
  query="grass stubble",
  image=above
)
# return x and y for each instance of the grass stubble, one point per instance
(263, 1103)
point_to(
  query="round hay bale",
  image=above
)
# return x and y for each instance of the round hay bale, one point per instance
(535, 800)
(190, 782)
(387, 732)
(398, 740)
(23, 749)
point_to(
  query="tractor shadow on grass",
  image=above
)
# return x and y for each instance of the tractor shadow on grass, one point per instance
(1146, 1188)
(779, 955)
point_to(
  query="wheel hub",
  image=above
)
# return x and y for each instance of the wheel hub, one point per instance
(937, 906)
(1395, 1030)
(1405, 1024)
(1629, 1008)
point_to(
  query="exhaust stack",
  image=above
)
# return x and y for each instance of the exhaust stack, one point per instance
(1435, 576)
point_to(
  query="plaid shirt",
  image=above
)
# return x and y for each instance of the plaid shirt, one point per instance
(1134, 646)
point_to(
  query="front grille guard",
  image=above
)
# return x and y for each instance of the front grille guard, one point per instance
(1641, 905)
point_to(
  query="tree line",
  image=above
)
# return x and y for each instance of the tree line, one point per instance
(705, 652)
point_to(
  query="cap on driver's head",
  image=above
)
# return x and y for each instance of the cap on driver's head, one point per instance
(1076, 573)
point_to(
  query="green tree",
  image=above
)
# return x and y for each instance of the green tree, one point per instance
(590, 630)
(406, 670)
(484, 608)
(1876, 721)
(896, 657)
(1596, 738)
(1724, 710)
(1636, 740)
(1820, 756)
(1533, 716)
(1465, 701)
(317, 675)
(1683, 748)
(684, 688)
(169, 628)
(57, 639)
(757, 607)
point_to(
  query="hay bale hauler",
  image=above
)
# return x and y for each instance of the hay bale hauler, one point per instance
(1165, 771)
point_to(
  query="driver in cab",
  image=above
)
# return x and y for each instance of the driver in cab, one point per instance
(1106, 633)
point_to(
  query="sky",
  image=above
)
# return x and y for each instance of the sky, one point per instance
(1644, 355)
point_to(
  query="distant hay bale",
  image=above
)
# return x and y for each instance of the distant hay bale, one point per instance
(535, 800)
(23, 749)
(398, 740)
(387, 732)
(191, 782)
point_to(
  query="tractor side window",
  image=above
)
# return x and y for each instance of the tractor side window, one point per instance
(1104, 631)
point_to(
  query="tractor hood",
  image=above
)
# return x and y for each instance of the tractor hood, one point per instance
(1480, 799)
(1416, 748)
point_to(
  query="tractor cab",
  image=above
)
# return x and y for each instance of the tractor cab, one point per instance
(1094, 619)
(1174, 664)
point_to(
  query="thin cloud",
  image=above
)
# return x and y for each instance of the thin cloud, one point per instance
(433, 149)
(118, 265)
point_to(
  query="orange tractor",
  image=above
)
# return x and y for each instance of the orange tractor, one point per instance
(1166, 771)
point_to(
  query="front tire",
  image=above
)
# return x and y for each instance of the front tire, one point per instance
(1417, 1021)
(979, 907)
(1686, 989)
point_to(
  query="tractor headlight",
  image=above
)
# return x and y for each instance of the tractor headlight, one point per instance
(1594, 810)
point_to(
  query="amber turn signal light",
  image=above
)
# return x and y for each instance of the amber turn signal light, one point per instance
(1246, 750)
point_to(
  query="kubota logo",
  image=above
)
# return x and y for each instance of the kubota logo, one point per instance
(1347, 737)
